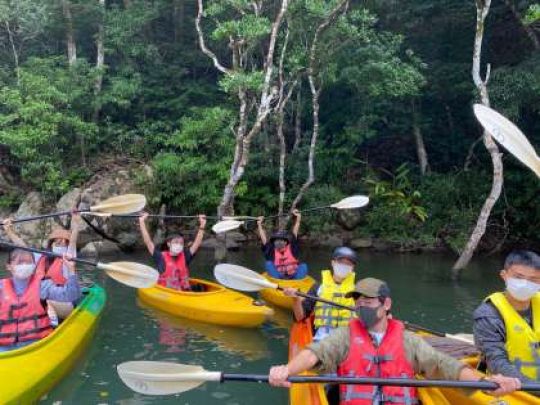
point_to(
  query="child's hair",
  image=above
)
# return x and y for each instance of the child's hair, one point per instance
(523, 258)
(15, 253)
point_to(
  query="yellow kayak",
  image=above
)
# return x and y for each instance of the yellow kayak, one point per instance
(314, 394)
(28, 373)
(216, 304)
(277, 297)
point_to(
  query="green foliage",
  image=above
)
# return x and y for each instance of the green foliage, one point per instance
(533, 14)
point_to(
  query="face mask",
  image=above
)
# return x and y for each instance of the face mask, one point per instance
(23, 271)
(176, 249)
(59, 249)
(280, 244)
(341, 270)
(368, 315)
(520, 289)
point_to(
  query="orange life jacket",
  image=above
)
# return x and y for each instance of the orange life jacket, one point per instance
(176, 274)
(386, 361)
(56, 271)
(285, 262)
(23, 318)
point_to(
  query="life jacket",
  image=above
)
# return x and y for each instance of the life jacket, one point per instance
(23, 318)
(285, 261)
(176, 274)
(56, 271)
(522, 341)
(329, 315)
(386, 361)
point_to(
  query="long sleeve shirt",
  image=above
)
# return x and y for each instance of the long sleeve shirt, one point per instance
(48, 290)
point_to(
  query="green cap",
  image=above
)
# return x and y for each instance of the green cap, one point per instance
(369, 287)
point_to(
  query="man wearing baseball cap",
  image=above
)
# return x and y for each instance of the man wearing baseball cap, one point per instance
(336, 283)
(375, 344)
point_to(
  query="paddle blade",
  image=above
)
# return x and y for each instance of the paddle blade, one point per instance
(508, 135)
(225, 226)
(349, 203)
(132, 274)
(240, 278)
(161, 378)
(121, 204)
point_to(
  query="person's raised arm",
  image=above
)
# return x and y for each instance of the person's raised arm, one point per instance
(11, 234)
(298, 219)
(200, 235)
(298, 308)
(261, 231)
(145, 234)
(75, 229)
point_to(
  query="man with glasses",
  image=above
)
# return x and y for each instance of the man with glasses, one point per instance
(376, 345)
(507, 324)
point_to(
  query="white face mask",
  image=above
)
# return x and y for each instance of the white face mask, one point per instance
(176, 249)
(23, 271)
(521, 289)
(341, 270)
(59, 249)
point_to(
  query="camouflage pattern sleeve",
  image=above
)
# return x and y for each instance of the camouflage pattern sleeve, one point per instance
(332, 350)
(428, 361)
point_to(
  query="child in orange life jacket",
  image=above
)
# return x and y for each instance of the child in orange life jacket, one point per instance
(282, 251)
(173, 260)
(373, 345)
(60, 241)
(23, 317)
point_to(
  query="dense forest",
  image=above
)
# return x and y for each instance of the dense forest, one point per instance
(259, 106)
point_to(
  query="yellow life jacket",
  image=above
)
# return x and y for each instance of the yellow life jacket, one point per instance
(522, 341)
(329, 315)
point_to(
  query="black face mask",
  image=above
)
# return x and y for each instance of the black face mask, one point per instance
(368, 315)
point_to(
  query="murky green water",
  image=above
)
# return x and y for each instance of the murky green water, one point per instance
(422, 292)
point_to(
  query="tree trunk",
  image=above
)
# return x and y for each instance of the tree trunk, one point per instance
(482, 10)
(14, 51)
(419, 140)
(315, 95)
(179, 19)
(529, 31)
(70, 33)
(298, 119)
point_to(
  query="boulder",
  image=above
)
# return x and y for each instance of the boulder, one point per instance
(361, 243)
(99, 248)
(33, 232)
(236, 236)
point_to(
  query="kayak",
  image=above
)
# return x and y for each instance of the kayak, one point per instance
(276, 297)
(215, 304)
(455, 396)
(247, 343)
(28, 373)
(314, 394)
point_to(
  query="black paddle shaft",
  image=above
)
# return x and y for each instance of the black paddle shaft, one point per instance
(314, 298)
(45, 252)
(56, 214)
(393, 382)
(164, 216)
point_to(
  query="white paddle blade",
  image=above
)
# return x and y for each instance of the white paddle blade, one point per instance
(355, 201)
(508, 135)
(162, 378)
(225, 226)
(240, 278)
(121, 204)
(132, 274)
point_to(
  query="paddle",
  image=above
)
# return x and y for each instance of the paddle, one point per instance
(121, 204)
(355, 201)
(131, 274)
(508, 135)
(163, 216)
(163, 378)
(243, 279)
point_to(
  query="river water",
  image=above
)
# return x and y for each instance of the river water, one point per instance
(422, 292)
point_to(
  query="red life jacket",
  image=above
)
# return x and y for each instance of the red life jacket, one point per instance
(56, 272)
(386, 361)
(176, 274)
(285, 262)
(23, 318)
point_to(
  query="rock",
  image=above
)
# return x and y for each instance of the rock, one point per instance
(331, 240)
(210, 243)
(361, 243)
(100, 247)
(128, 240)
(382, 245)
(350, 219)
(67, 202)
(236, 236)
(32, 231)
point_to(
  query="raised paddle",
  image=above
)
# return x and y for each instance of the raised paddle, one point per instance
(121, 204)
(163, 378)
(508, 135)
(135, 275)
(349, 203)
(244, 279)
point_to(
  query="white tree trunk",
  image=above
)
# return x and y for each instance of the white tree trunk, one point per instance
(482, 9)
(14, 51)
(71, 44)
(419, 141)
